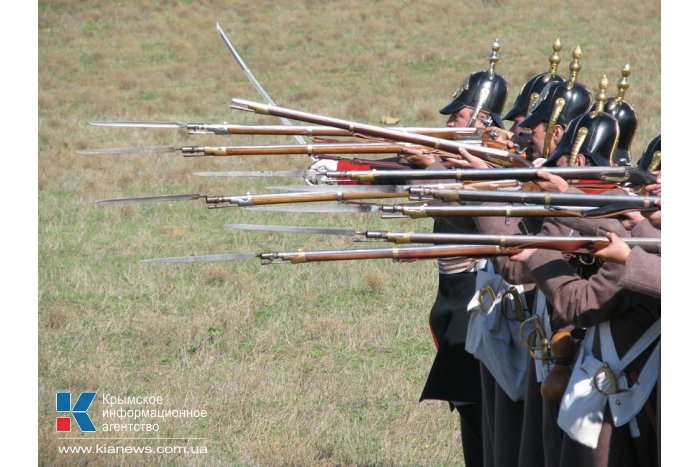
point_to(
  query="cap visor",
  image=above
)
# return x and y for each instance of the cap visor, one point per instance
(452, 107)
(531, 121)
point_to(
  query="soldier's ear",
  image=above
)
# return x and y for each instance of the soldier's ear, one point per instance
(558, 133)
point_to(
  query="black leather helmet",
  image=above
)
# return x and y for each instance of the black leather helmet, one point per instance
(532, 89)
(483, 90)
(593, 134)
(651, 159)
(559, 103)
(626, 118)
(529, 94)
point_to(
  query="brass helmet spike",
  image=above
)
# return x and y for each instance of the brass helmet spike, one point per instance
(554, 59)
(623, 84)
(600, 97)
(574, 66)
(493, 57)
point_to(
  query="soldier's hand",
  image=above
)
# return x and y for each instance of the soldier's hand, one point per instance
(417, 157)
(469, 160)
(523, 255)
(654, 188)
(550, 182)
(616, 252)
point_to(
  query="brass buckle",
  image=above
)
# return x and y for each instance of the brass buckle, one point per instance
(530, 342)
(605, 374)
(517, 314)
(486, 291)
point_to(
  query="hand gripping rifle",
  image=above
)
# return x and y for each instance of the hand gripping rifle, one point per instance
(496, 157)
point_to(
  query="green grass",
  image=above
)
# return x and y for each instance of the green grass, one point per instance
(308, 364)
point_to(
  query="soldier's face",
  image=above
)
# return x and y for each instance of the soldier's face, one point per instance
(460, 118)
(539, 132)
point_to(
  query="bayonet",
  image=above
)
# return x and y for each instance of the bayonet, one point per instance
(260, 173)
(192, 128)
(301, 230)
(252, 78)
(327, 208)
(202, 258)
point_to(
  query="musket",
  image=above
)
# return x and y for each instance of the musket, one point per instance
(421, 211)
(530, 197)
(560, 243)
(281, 130)
(256, 200)
(397, 254)
(199, 151)
(628, 175)
(498, 157)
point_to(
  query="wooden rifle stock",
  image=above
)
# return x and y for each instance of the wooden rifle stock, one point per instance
(496, 157)
(397, 254)
(303, 197)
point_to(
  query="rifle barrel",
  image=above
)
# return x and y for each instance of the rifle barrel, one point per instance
(494, 156)
(544, 198)
(612, 174)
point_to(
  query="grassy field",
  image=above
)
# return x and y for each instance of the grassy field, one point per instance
(316, 364)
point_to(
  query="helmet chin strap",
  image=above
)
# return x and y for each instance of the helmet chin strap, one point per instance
(553, 119)
(578, 142)
(483, 96)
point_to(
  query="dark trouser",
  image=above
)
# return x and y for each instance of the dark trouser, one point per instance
(470, 426)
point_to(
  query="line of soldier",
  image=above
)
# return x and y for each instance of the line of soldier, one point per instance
(575, 378)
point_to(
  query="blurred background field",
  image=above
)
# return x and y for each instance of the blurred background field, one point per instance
(307, 364)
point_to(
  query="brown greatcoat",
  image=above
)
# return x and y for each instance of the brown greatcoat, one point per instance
(586, 303)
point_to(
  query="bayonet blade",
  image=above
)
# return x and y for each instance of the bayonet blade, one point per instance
(133, 150)
(286, 228)
(342, 188)
(260, 173)
(141, 124)
(201, 259)
(342, 208)
(151, 199)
